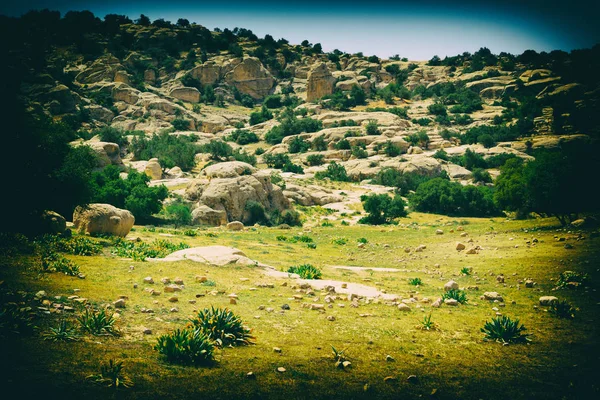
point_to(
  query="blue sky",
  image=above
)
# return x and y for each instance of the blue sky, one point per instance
(413, 29)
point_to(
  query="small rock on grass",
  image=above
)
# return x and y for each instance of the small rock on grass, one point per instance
(281, 369)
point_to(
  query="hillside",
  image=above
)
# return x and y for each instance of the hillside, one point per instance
(330, 200)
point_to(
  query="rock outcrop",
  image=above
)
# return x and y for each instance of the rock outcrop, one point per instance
(103, 219)
(229, 191)
(320, 82)
(251, 77)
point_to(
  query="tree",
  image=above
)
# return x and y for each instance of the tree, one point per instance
(182, 22)
(179, 213)
(132, 194)
(382, 208)
(143, 20)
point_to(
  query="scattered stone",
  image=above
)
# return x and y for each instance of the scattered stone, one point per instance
(472, 250)
(172, 289)
(547, 300)
(403, 307)
(420, 248)
(529, 283)
(344, 285)
(173, 299)
(500, 279)
(284, 307)
(450, 285)
(174, 310)
(250, 375)
(390, 379)
(330, 318)
(148, 280)
(439, 232)
(389, 358)
(460, 246)
(412, 379)
(178, 281)
(155, 292)
(165, 281)
(277, 350)
(451, 302)
(235, 226)
(41, 294)
(201, 279)
(316, 306)
(119, 303)
(147, 331)
(492, 296)
(437, 303)
(232, 301)
(346, 364)
(281, 369)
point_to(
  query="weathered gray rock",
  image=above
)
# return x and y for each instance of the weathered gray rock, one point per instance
(53, 222)
(450, 285)
(187, 94)
(251, 77)
(235, 226)
(153, 169)
(548, 300)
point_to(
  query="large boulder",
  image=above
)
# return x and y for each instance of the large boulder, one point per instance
(103, 218)
(187, 94)
(153, 169)
(103, 69)
(207, 73)
(251, 77)
(53, 222)
(107, 153)
(311, 195)
(320, 82)
(228, 169)
(212, 255)
(231, 194)
(204, 215)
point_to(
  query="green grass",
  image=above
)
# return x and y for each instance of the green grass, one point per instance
(453, 358)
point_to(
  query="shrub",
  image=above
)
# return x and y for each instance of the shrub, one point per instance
(462, 119)
(306, 271)
(422, 121)
(481, 175)
(486, 140)
(222, 326)
(132, 194)
(372, 128)
(562, 309)
(427, 324)
(217, 149)
(359, 152)
(77, 245)
(382, 209)
(315, 159)
(273, 101)
(441, 154)
(456, 294)
(437, 109)
(391, 150)
(181, 124)
(318, 143)
(504, 330)
(335, 172)
(342, 144)
(403, 182)
(258, 117)
(139, 251)
(113, 135)
(169, 149)
(112, 375)
(441, 196)
(298, 145)
(255, 213)
(179, 213)
(97, 323)
(571, 279)
(54, 262)
(187, 347)
(242, 137)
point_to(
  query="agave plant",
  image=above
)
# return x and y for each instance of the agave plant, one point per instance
(456, 294)
(112, 375)
(562, 309)
(465, 270)
(187, 347)
(222, 326)
(504, 330)
(415, 281)
(427, 324)
(98, 323)
(341, 361)
(571, 279)
(306, 271)
(64, 332)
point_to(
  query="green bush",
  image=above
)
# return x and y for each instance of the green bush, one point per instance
(186, 347)
(372, 128)
(258, 117)
(319, 144)
(437, 109)
(315, 159)
(139, 251)
(342, 144)
(441, 196)
(562, 309)
(273, 101)
(217, 149)
(456, 294)
(113, 135)
(571, 279)
(298, 145)
(242, 137)
(391, 150)
(481, 175)
(132, 194)
(335, 172)
(441, 154)
(290, 125)
(112, 375)
(222, 326)
(306, 271)
(179, 213)
(54, 262)
(63, 332)
(403, 182)
(382, 209)
(170, 150)
(504, 330)
(359, 152)
(181, 124)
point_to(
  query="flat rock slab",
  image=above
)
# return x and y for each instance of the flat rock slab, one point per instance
(214, 255)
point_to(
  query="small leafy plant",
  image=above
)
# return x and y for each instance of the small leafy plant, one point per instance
(306, 271)
(362, 240)
(223, 327)
(456, 294)
(465, 270)
(112, 375)
(54, 262)
(63, 332)
(340, 241)
(562, 309)
(415, 281)
(186, 347)
(327, 224)
(139, 251)
(341, 361)
(427, 324)
(571, 279)
(504, 330)
(311, 245)
(98, 323)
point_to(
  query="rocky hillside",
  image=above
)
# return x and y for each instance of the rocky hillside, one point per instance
(289, 107)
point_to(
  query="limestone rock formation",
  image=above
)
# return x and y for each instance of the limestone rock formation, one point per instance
(231, 194)
(251, 77)
(187, 94)
(53, 222)
(320, 82)
(108, 153)
(311, 195)
(207, 73)
(103, 69)
(153, 169)
(103, 218)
